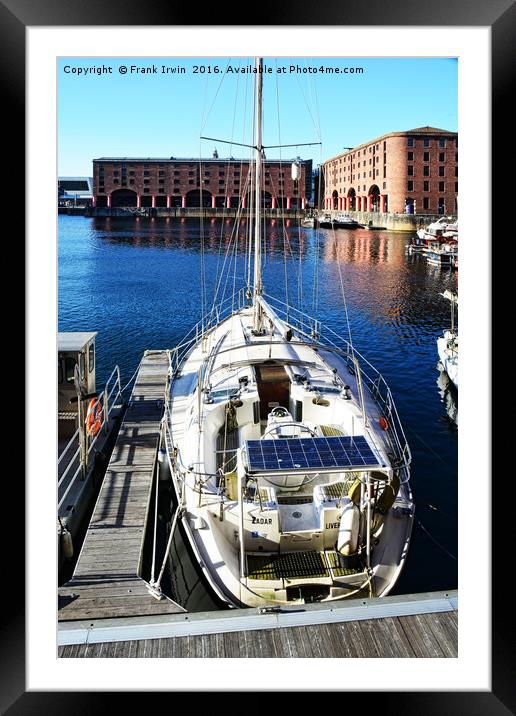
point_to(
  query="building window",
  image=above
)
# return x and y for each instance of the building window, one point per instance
(161, 191)
(384, 186)
(410, 157)
(176, 174)
(145, 181)
(161, 181)
(410, 141)
(456, 171)
(426, 171)
(176, 191)
(145, 174)
(442, 142)
(410, 170)
(161, 174)
(441, 156)
(426, 156)
(426, 202)
(115, 181)
(426, 142)
(131, 174)
(410, 186)
(426, 186)
(441, 186)
(146, 190)
(116, 173)
(131, 181)
(190, 181)
(441, 171)
(177, 181)
(456, 186)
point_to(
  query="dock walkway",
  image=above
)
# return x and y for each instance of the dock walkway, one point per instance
(107, 579)
(404, 626)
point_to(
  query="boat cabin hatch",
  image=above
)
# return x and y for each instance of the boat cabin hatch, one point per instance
(273, 386)
(73, 349)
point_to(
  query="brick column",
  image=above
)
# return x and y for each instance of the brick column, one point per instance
(153, 201)
(138, 201)
(109, 200)
(274, 204)
(289, 202)
(168, 202)
(369, 202)
(183, 201)
(244, 202)
(94, 201)
(303, 202)
(213, 201)
(228, 202)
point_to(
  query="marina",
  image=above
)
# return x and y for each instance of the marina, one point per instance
(264, 463)
(107, 610)
(381, 333)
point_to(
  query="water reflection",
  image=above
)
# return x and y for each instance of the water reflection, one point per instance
(449, 394)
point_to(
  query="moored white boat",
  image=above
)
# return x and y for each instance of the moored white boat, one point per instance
(288, 458)
(448, 344)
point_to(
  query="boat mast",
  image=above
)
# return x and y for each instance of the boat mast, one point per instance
(258, 288)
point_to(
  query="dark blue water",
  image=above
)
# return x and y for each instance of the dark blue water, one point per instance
(137, 282)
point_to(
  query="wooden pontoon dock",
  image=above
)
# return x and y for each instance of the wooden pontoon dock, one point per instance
(107, 578)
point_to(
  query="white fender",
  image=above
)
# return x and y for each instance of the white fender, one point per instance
(348, 530)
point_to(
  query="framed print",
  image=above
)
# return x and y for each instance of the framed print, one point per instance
(38, 41)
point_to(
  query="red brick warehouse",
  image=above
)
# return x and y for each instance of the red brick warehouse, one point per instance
(400, 172)
(210, 183)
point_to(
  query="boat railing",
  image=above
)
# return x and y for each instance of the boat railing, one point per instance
(78, 468)
(315, 330)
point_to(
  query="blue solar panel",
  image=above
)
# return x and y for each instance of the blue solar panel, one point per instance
(310, 453)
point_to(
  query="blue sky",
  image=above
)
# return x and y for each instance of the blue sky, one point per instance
(164, 114)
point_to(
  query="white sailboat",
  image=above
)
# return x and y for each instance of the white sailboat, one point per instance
(448, 343)
(289, 462)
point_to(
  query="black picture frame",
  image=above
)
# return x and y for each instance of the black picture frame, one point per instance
(15, 17)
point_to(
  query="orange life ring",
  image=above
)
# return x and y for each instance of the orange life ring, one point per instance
(93, 417)
(384, 424)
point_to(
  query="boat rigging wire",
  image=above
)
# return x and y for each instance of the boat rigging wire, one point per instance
(433, 539)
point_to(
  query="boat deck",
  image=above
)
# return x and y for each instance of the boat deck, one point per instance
(106, 581)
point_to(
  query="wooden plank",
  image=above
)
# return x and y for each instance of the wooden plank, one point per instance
(442, 628)
(423, 642)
